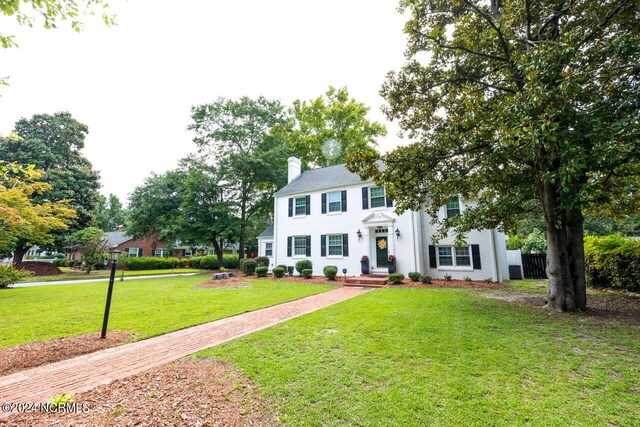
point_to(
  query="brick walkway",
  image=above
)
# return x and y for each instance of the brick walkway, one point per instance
(85, 372)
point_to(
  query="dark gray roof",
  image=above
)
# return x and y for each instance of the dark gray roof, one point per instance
(320, 179)
(115, 238)
(267, 233)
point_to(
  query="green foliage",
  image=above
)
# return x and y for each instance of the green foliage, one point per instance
(10, 275)
(514, 242)
(230, 261)
(447, 277)
(396, 278)
(206, 262)
(333, 117)
(330, 272)
(53, 144)
(262, 261)
(283, 266)
(278, 272)
(425, 278)
(414, 276)
(307, 273)
(262, 271)
(304, 264)
(290, 269)
(249, 267)
(612, 262)
(110, 212)
(60, 262)
(488, 280)
(156, 263)
(60, 401)
(535, 241)
(91, 244)
(467, 279)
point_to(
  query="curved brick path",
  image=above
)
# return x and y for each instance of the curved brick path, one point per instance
(85, 372)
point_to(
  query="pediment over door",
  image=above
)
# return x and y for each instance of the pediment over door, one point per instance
(378, 218)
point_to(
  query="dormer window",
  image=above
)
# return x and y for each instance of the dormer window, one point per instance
(377, 197)
(453, 207)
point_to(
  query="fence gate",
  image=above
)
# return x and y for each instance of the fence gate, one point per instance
(534, 266)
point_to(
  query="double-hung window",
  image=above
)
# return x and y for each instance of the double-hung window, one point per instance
(451, 256)
(335, 201)
(301, 206)
(300, 245)
(268, 249)
(377, 197)
(335, 244)
(132, 252)
(159, 252)
(453, 207)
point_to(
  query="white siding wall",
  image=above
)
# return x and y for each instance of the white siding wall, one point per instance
(262, 250)
(349, 222)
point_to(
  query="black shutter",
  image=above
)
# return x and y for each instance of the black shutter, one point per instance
(308, 245)
(308, 203)
(389, 203)
(343, 198)
(432, 257)
(365, 197)
(475, 255)
(139, 252)
(290, 206)
(345, 245)
(324, 203)
(323, 245)
(289, 242)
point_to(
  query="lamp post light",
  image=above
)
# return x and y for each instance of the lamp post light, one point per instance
(113, 255)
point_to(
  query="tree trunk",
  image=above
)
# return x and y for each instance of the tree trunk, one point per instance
(18, 254)
(218, 249)
(565, 255)
(243, 225)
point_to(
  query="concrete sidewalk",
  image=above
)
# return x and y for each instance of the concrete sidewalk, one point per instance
(102, 279)
(85, 372)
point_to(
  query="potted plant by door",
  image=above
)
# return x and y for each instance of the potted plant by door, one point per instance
(364, 264)
(391, 264)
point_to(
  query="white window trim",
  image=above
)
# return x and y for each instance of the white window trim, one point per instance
(455, 266)
(384, 198)
(295, 206)
(329, 211)
(341, 247)
(293, 248)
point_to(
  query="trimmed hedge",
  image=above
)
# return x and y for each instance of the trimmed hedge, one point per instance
(330, 272)
(304, 264)
(307, 273)
(278, 272)
(210, 262)
(290, 269)
(612, 262)
(262, 271)
(262, 261)
(414, 276)
(425, 279)
(396, 278)
(60, 262)
(155, 263)
(249, 267)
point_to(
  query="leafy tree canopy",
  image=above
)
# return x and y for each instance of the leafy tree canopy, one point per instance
(331, 127)
(53, 144)
(92, 244)
(22, 217)
(110, 212)
(520, 106)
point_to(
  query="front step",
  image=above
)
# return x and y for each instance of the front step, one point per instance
(371, 280)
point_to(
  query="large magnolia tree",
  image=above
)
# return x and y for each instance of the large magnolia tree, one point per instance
(522, 106)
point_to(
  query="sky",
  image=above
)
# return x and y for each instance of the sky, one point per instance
(134, 84)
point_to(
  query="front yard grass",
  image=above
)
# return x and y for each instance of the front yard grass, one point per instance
(445, 357)
(68, 274)
(144, 307)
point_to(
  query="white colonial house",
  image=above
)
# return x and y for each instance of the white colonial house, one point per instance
(331, 217)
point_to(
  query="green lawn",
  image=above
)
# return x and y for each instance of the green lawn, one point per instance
(443, 357)
(69, 274)
(144, 307)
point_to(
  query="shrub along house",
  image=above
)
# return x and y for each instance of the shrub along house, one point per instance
(331, 217)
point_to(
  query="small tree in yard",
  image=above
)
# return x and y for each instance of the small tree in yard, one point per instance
(91, 244)
(523, 107)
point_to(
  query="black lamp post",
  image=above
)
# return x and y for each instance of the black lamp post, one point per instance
(114, 260)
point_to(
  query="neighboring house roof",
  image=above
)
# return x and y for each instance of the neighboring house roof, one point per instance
(115, 238)
(321, 179)
(267, 233)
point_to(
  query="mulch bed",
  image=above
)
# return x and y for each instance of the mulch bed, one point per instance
(38, 353)
(39, 268)
(188, 392)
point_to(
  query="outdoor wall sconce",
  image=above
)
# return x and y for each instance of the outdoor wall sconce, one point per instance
(359, 234)
(397, 233)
